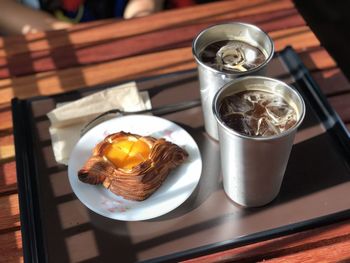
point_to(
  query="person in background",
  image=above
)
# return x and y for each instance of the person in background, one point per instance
(30, 16)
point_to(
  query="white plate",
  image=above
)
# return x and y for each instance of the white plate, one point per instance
(177, 187)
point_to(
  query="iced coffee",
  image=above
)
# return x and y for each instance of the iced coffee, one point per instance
(257, 113)
(226, 52)
(232, 56)
(257, 119)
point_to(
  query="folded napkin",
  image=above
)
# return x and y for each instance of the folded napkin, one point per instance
(68, 120)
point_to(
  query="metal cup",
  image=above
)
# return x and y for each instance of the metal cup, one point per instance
(211, 79)
(253, 167)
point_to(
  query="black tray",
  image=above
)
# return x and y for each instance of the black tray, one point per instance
(56, 227)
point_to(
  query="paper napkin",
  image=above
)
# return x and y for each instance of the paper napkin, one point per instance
(68, 120)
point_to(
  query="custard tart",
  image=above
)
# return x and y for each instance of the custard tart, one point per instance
(130, 165)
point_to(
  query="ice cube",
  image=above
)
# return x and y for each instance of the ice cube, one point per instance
(235, 103)
(231, 56)
(256, 97)
(251, 124)
(235, 121)
(257, 113)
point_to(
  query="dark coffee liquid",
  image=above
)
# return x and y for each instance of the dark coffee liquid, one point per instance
(232, 56)
(257, 113)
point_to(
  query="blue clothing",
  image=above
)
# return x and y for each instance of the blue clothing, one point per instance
(94, 10)
(89, 10)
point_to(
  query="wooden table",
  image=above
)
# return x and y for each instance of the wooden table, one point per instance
(109, 51)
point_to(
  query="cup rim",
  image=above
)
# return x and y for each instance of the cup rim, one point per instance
(258, 138)
(194, 53)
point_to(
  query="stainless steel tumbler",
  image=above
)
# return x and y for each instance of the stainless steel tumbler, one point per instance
(253, 167)
(211, 79)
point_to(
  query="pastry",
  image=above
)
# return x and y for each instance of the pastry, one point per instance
(130, 165)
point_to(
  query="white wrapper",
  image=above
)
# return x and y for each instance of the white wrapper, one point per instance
(68, 120)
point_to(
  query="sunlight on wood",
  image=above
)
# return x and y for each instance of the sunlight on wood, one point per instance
(28, 86)
(9, 216)
(331, 73)
(321, 60)
(330, 253)
(23, 43)
(8, 177)
(6, 152)
(14, 206)
(6, 120)
(19, 246)
(298, 38)
(11, 249)
(178, 59)
(317, 59)
(55, 82)
(6, 92)
(37, 41)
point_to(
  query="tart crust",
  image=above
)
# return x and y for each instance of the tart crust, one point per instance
(141, 180)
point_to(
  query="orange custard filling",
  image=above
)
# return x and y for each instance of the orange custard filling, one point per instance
(126, 153)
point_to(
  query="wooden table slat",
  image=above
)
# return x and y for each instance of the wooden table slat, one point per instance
(11, 247)
(5, 118)
(8, 179)
(9, 216)
(7, 151)
(337, 248)
(285, 246)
